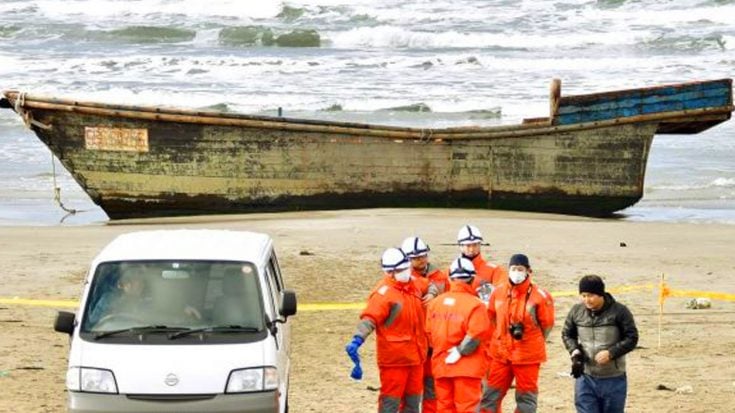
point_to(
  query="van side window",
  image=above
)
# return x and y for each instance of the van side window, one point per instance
(271, 285)
(276, 270)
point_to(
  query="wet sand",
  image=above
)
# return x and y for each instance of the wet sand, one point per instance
(344, 249)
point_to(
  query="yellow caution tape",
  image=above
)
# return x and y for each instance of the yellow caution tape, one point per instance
(39, 303)
(696, 294)
(331, 306)
(629, 288)
(570, 293)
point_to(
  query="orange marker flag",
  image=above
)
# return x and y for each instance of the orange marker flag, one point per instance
(663, 291)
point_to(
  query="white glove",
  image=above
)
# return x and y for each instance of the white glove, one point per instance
(453, 355)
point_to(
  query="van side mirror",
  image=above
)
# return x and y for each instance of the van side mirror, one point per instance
(64, 322)
(288, 303)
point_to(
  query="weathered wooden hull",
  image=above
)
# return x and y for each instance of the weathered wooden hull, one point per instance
(143, 162)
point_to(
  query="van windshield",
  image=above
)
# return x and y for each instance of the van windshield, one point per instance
(158, 297)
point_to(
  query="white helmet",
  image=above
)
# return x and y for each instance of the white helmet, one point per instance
(414, 247)
(394, 260)
(469, 234)
(461, 268)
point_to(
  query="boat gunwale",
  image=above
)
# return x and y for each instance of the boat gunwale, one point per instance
(360, 129)
(651, 90)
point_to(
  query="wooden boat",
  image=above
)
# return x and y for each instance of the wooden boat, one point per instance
(588, 157)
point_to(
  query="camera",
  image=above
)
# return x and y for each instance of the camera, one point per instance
(577, 365)
(516, 330)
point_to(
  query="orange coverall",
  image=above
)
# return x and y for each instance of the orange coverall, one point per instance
(396, 311)
(494, 275)
(439, 280)
(458, 318)
(533, 307)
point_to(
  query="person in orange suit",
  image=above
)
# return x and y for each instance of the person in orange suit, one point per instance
(432, 281)
(457, 324)
(521, 317)
(396, 314)
(489, 275)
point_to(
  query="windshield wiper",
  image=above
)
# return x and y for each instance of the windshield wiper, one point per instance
(215, 329)
(139, 329)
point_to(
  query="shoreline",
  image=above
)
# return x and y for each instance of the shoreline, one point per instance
(46, 213)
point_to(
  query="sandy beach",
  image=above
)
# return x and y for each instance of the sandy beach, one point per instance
(333, 257)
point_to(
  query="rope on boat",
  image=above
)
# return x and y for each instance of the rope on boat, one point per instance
(26, 114)
(426, 138)
(57, 189)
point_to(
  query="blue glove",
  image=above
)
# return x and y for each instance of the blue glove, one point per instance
(356, 372)
(355, 357)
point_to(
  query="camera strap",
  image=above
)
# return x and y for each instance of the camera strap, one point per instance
(525, 303)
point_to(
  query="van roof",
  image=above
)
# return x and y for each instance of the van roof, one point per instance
(186, 244)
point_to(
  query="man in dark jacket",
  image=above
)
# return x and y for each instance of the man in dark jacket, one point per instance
(598, 333)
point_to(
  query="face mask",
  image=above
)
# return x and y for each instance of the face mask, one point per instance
(517, 277)
(403, 276)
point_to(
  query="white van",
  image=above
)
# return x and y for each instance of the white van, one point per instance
(181, 321)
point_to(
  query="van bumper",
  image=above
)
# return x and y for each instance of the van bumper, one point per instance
(262, 402)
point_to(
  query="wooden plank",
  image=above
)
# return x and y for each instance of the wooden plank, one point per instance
(611, 109)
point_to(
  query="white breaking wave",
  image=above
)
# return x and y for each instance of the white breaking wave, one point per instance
(670, 213)
(8, 65)
(92, 11)
(728, 42)
(667, 14)
(716, 183)
(724, 182)
(398, 37)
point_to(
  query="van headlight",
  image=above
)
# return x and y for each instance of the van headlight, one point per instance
(255, 379)
(90, 380)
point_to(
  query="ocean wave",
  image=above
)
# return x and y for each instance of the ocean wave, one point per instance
(414, 107)
(724, 182)
(8, 67)
(289, 13)
(96, 11)
(43, 186)
(216, 107)
(720, 182)
(299, 38)
(688, 44)
(416, 119)
(231, 36)
(363, 26)
(400, 37)
(609, 4)
(246, 36)
(335, 107)
(23, 151)
(673, 212)
(447, 116)
(146, 34)
(9, 31)
(74, 32)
